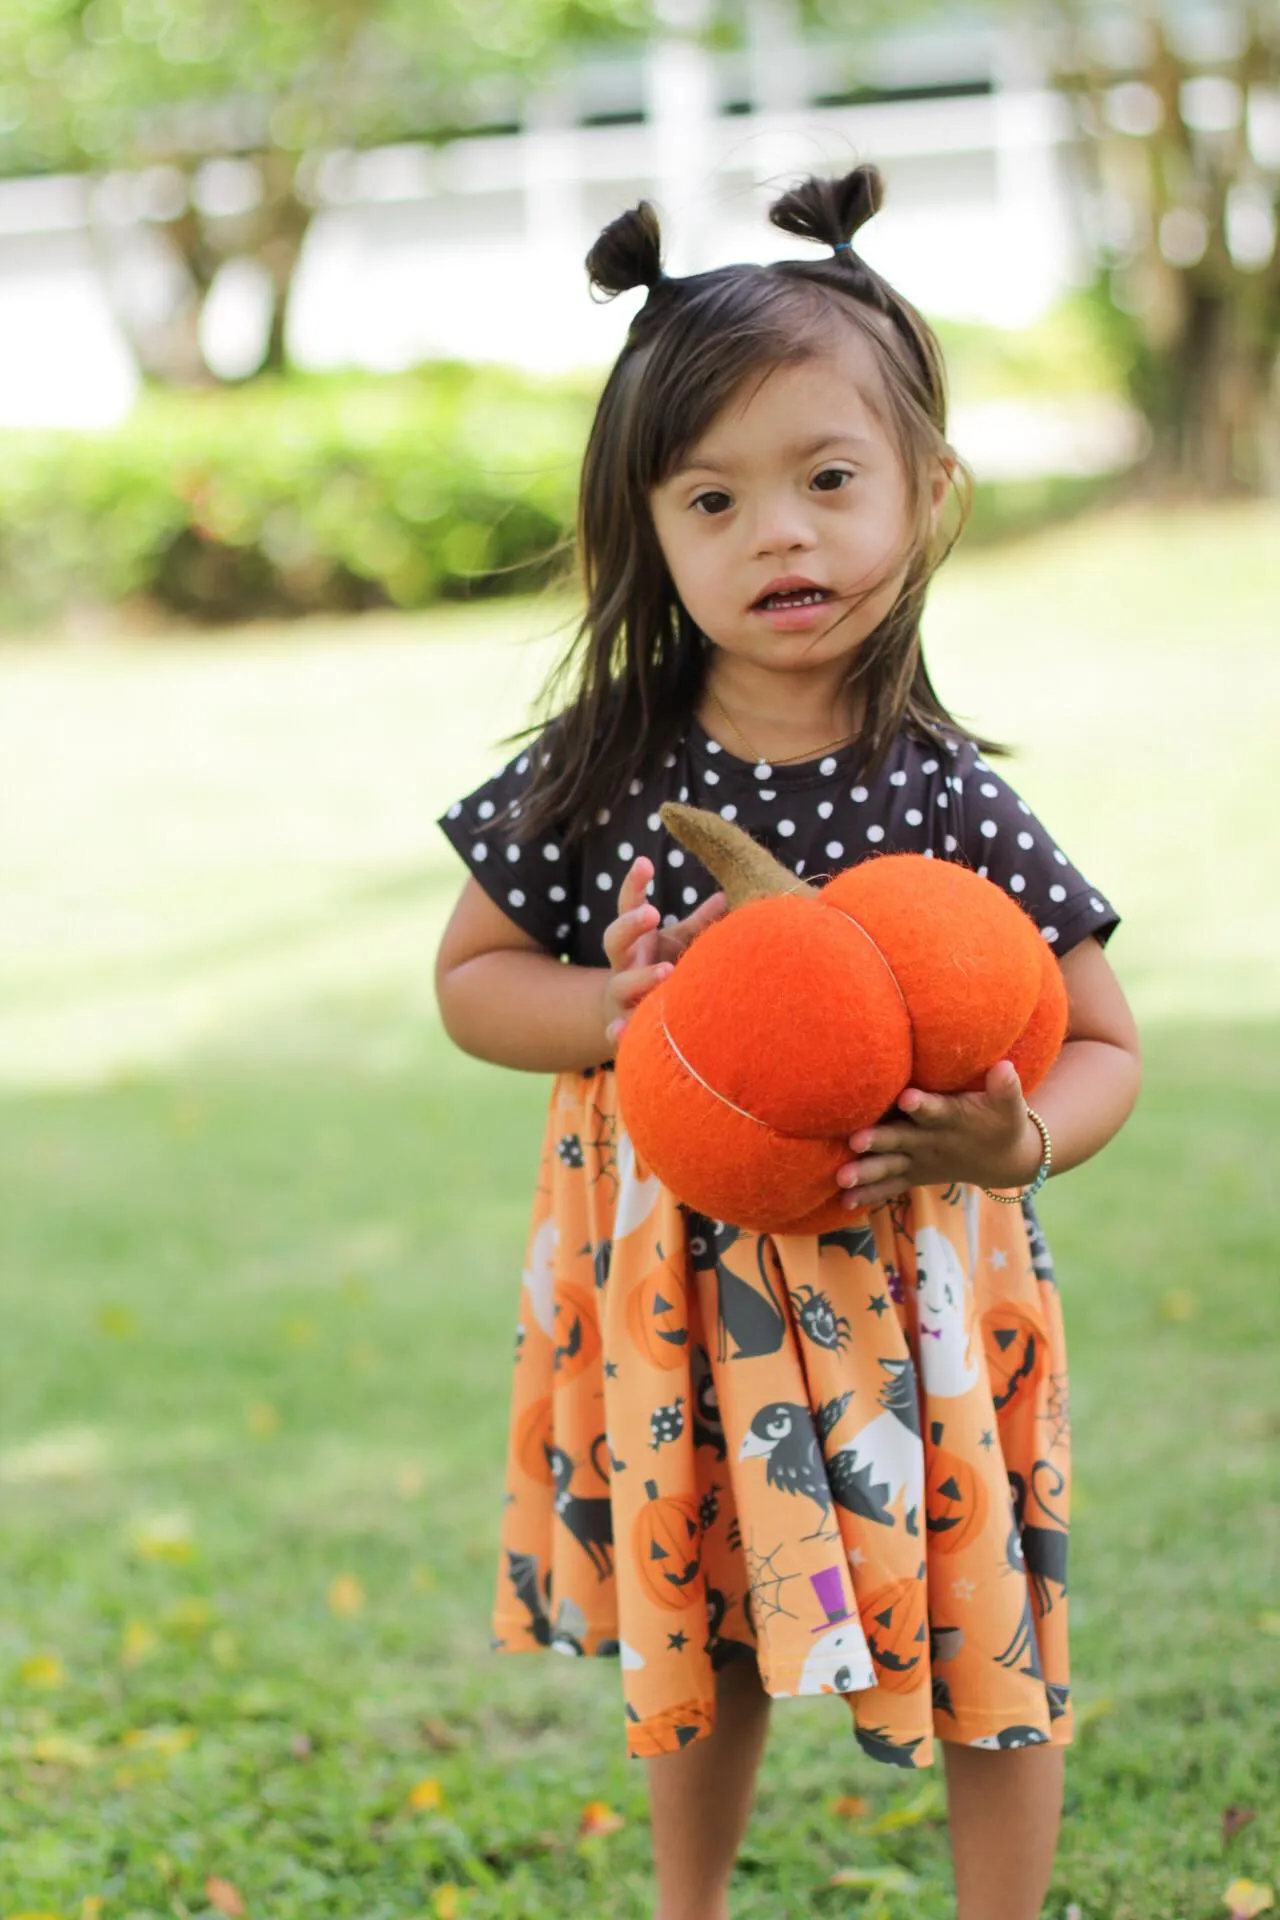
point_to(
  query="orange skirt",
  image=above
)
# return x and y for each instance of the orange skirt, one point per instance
(846, 1458)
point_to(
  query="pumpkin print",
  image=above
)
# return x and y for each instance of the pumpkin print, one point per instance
(1014, 1340)
(896, 1629)
(668, 1731)
(533, 1440)
(577, 1330)
(667, 1544)
(658, 1320)
(955, 1497)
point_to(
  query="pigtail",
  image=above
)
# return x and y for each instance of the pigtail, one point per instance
(628, 253)
(830, 211)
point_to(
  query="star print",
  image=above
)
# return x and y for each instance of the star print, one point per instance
(877, 1304)
(677, 1642)
(610, 1370)
(988, 1439)
(999, 1258)
(963, 1589)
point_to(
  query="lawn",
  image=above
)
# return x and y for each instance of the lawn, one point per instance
(260, 1241)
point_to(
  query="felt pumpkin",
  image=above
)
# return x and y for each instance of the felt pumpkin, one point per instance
(667, 1545)
(896, 1628)
(955, 1498)
(658, 1320)
(532, 1440)
(577, 1331)
(803, 1014)
(1017, 1352)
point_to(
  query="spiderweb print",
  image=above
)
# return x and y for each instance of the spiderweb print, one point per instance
(604, 1142)
(1057, 1413)
(766, 1585)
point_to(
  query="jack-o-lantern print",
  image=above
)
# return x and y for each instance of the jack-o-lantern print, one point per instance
(897, 1631)
(658, 1318)
(1016, 1347)
(666, 1732)
(577, 1330)
(533, 1440)
(667, 1544)
(955, 1497)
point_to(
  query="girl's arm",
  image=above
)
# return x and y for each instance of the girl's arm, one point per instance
(986, 1138)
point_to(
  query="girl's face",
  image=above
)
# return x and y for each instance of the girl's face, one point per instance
(787, 527)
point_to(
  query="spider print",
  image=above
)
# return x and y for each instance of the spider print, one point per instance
(819, 1319)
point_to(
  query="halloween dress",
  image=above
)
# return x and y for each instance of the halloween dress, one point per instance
(846, 1456)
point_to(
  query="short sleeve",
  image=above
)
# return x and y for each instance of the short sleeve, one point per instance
(533, 881)
(1002, 839)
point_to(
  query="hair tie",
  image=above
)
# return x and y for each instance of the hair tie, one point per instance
(842, 246)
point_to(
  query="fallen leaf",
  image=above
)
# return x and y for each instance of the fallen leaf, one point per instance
(62, 1750)
(875, 1879)
(224, 1898)
(301, 1746)
(438, 1735)
(444, 1904)
(43, 1670)
(598, 1818)
(426, 1797)
(851, 1806)
(137, 1643)
(346, 1596)
(928, 1804)
(1233, 1818)
(1246, 1898)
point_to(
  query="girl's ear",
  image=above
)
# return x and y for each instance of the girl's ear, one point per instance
(940, 485)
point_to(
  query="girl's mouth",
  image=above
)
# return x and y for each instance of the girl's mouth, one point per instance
(792, 597)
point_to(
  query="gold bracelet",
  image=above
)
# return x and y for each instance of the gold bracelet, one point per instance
(1016, 1199)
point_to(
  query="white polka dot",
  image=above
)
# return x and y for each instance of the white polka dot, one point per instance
(670, 919)
(1098, 906)
(824, 809)
(930, 766)
(875, 833)
(1026, 840)
(654, 822)
(555, 893)
(987, 791)
(914, 816)
(982, 873)
(516, 809)
(943, 801)
(562, 933)
(1016, 883)
(455, 810)
(649, 889)
(713, 746)
(625, 850)
(690, 896)
(1049, 933)
(957, 785)
(513, 853)
(675, 858)
(827, 766)
(522, 764)
(763, 771)
(485, 810)
(1057, 893)
(684, 793)
(1023, 807)
(551, 851)
(516, 897)
(951, 843)
(604, 881)
(988, 829)
(603, 817)
(928, 853)
(768, 793)
(668, 759)
(897, 779)
(635, 786)
(479, 851)
(834, 849)
(711, 777)
(584, 913)
(729, 811)
(786, 828)
(1060, 857)
(799, 867)
(858, 793)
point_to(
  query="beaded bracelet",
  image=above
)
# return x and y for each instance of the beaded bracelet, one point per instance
(1016, 1199)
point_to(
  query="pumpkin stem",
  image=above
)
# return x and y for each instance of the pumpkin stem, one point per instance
(744, 869)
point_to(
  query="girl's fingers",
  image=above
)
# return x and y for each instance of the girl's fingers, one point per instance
(621, 935)
(631, 987)
(631, 893)
(874, 1168)
(925, 1109)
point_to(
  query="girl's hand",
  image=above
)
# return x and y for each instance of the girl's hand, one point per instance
(983, 1139)
(640, 952)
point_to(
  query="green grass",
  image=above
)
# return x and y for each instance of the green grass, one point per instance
(261, 1231)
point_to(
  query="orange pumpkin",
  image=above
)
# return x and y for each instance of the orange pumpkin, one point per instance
(577, 1337)
(667, 1543)
(895, 1622)
(658, 1319)
(1017, 1351)
(532, 1440)
(955, 1497)
(668, 1731)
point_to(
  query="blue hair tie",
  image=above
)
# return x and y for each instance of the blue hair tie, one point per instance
(843, 246)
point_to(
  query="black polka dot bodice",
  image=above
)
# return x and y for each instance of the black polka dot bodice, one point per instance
(817, 817)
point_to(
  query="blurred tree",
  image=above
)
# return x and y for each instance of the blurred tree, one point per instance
(212, 118)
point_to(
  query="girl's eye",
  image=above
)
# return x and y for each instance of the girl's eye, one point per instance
(713, 502)
(831, 479)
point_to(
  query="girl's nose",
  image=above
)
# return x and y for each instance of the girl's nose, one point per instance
(783, 527)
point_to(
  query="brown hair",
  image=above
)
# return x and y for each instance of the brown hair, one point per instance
(625, 688)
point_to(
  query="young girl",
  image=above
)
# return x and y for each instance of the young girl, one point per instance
(755, 1466)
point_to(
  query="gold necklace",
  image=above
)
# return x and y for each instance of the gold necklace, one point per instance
(777, 759)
